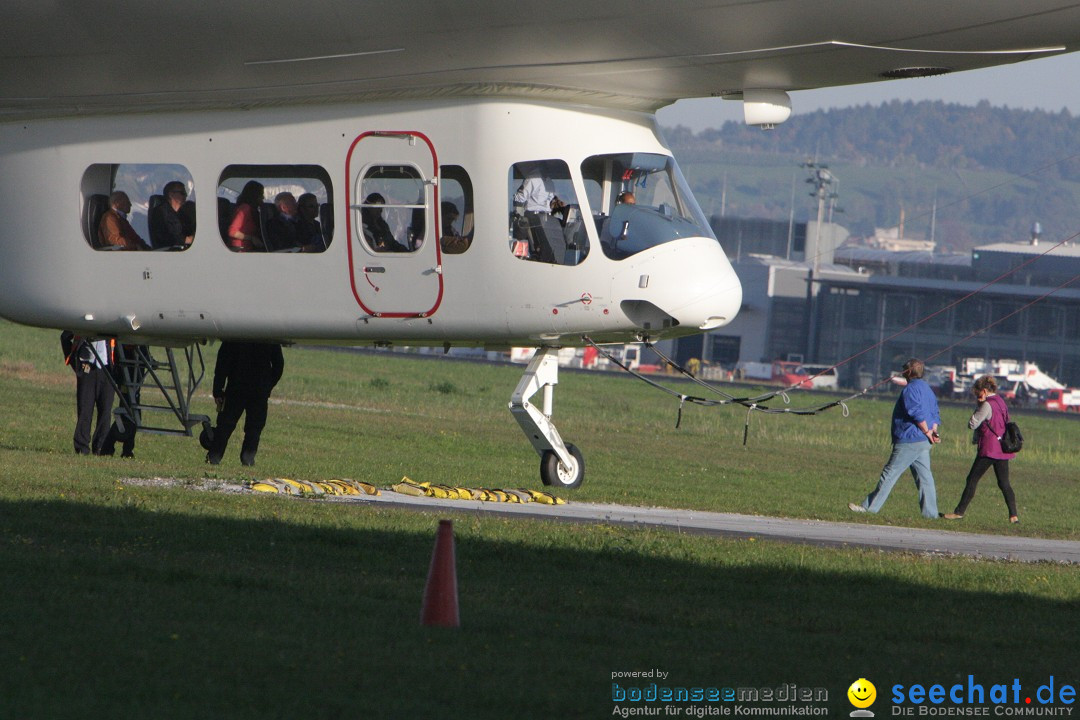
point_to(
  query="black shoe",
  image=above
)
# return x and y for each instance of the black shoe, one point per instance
(247, 459)
(213, 459)
(129, 455)
(82, 452)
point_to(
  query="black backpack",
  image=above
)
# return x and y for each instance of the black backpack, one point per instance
(1012, 441)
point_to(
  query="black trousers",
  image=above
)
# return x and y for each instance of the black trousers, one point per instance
(127, 439)
(93, 392)
(250, 402)
(978, 468)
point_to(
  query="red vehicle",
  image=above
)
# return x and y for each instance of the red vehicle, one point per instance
(1062, 399)
(790, 373)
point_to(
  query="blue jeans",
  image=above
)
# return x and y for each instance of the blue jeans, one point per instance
(915, 455)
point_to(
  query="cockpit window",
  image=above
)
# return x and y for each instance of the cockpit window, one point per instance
(639, 201)
(546, 223)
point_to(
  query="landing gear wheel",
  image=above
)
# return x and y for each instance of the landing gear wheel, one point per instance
(553, 472)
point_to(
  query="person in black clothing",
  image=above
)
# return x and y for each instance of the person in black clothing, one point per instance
(308, 228)
(94, 392)
(453, 243)
(244, 376)
(122, 373)
(377, 231)
(172, 223)
(282, 232)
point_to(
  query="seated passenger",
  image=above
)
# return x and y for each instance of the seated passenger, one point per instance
(114, 230)
(376, 230)
(170, 224)
(626, 198)
(452, 243)
(281, 230)
(309, 231)
(244, 226)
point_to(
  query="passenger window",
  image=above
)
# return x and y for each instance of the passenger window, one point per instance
(275, 208)
(393, 212)
(455, 210)
(138, 207)
(545, 218)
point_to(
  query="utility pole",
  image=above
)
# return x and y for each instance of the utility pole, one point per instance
(823, 182)
(791, 219)
(933, 222)
(723, 197)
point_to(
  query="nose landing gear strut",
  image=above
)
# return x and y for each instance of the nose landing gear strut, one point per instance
(561, 464)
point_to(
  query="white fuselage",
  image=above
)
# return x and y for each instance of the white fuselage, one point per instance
(50, 275)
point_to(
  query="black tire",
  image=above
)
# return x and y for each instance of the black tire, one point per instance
(554, 474)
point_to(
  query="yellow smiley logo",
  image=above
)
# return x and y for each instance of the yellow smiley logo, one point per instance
(862, 693)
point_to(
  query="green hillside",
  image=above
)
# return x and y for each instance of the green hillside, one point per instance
(993, 171)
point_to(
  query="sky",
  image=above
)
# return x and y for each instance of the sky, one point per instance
(1048, 84)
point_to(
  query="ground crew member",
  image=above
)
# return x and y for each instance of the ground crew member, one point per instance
(90, 360)
(244, 376)
(135, 373)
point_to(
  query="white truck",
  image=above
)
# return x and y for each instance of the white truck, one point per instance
(1016, 380)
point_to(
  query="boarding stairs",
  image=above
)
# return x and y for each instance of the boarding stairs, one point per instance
(151, 390)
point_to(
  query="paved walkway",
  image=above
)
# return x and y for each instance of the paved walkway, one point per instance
(813, 532)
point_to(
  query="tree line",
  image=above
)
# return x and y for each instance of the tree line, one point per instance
(990, 172)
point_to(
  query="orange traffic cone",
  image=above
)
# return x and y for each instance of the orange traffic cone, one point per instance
(440, 593)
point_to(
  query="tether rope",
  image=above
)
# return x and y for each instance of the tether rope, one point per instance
(754, 404)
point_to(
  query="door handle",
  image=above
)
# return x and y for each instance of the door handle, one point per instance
(374, 269)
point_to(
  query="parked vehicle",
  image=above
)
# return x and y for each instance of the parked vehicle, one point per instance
(1019, 383)
(630, 355)
(568, 356)
(754, 371)
(789, 373)
(1061, 399)
(822, 376)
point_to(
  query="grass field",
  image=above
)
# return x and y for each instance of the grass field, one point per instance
(120, 600)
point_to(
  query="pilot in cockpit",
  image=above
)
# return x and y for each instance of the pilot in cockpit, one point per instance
(612, 232)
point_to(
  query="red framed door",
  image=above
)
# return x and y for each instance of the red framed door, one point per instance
(392, 195)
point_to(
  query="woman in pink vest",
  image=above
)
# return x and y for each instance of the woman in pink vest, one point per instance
(988, 422)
